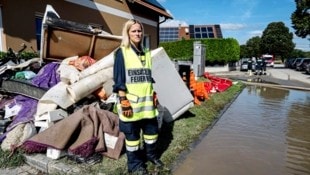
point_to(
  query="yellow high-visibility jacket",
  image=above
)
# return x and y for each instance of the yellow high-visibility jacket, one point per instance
(139, 85)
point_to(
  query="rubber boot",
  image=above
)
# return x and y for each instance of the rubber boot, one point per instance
(152, 155)
(135, 163)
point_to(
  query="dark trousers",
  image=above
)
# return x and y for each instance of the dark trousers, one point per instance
(132, 131)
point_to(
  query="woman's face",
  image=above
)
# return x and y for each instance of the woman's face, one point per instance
(135, 34)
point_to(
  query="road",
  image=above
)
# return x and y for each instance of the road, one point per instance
(276, 75)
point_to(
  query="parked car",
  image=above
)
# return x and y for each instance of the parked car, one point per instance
(244, 65)
(289, 62)
(296, 61)
(307, 69)
(301, 66)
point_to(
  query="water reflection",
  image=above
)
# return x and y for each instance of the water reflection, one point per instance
(265, 131)
(298, 133)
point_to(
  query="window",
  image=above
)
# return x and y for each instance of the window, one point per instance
(197, 35)
(38, 22)
(168, 34)
(211, 35)
(204, 35)
(218, 31)
(191, 29)
(146, 41)
(210, 29)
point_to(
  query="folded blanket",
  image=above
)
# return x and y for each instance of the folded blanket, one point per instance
(47, 77)
(87, 131)
(25, 114)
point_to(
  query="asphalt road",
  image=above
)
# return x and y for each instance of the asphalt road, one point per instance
(277, 75)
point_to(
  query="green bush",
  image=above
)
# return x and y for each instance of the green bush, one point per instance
(23, 55)
(217, 50)
(28, 55)
(179, 50)
(2, 55)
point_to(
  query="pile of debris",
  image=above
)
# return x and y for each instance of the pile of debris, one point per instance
(62, 102)
(77, 90)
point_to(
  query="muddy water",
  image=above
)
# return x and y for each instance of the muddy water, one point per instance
(265, 131)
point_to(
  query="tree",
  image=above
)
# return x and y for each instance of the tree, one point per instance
(298, 54)
(253, 46)
(243, 51)
(301, 18)
(277, 40)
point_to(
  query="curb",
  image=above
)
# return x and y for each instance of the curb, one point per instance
(277, 86)
(50, 166)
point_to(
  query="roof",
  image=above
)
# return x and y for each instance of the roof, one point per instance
(155, 6)
(155, 3)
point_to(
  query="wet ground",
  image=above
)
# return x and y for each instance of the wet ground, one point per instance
(264, 131)
(280, 76)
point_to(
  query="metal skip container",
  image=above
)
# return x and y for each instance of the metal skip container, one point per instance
(173, 94)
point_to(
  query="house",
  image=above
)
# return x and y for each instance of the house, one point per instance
(20, 21)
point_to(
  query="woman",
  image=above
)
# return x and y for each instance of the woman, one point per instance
(136, 99)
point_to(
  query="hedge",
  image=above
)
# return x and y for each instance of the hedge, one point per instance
(217, 50)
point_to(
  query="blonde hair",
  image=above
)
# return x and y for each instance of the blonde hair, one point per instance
(125, 35)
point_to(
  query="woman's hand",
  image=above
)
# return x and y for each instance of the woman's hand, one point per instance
(155, 99)
(126, 107)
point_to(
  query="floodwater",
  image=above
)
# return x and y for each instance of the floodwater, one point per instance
(265, 131)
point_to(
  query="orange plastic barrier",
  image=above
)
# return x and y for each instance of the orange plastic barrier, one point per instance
(220, 84)
(198, 89)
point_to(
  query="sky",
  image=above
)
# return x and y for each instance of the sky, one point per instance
(239, 19)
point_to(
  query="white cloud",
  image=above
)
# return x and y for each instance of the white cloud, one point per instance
(249, 6)
(232, 26)
(256, 33)
(173, 23)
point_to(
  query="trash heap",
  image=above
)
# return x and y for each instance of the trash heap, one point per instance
(72, 117)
